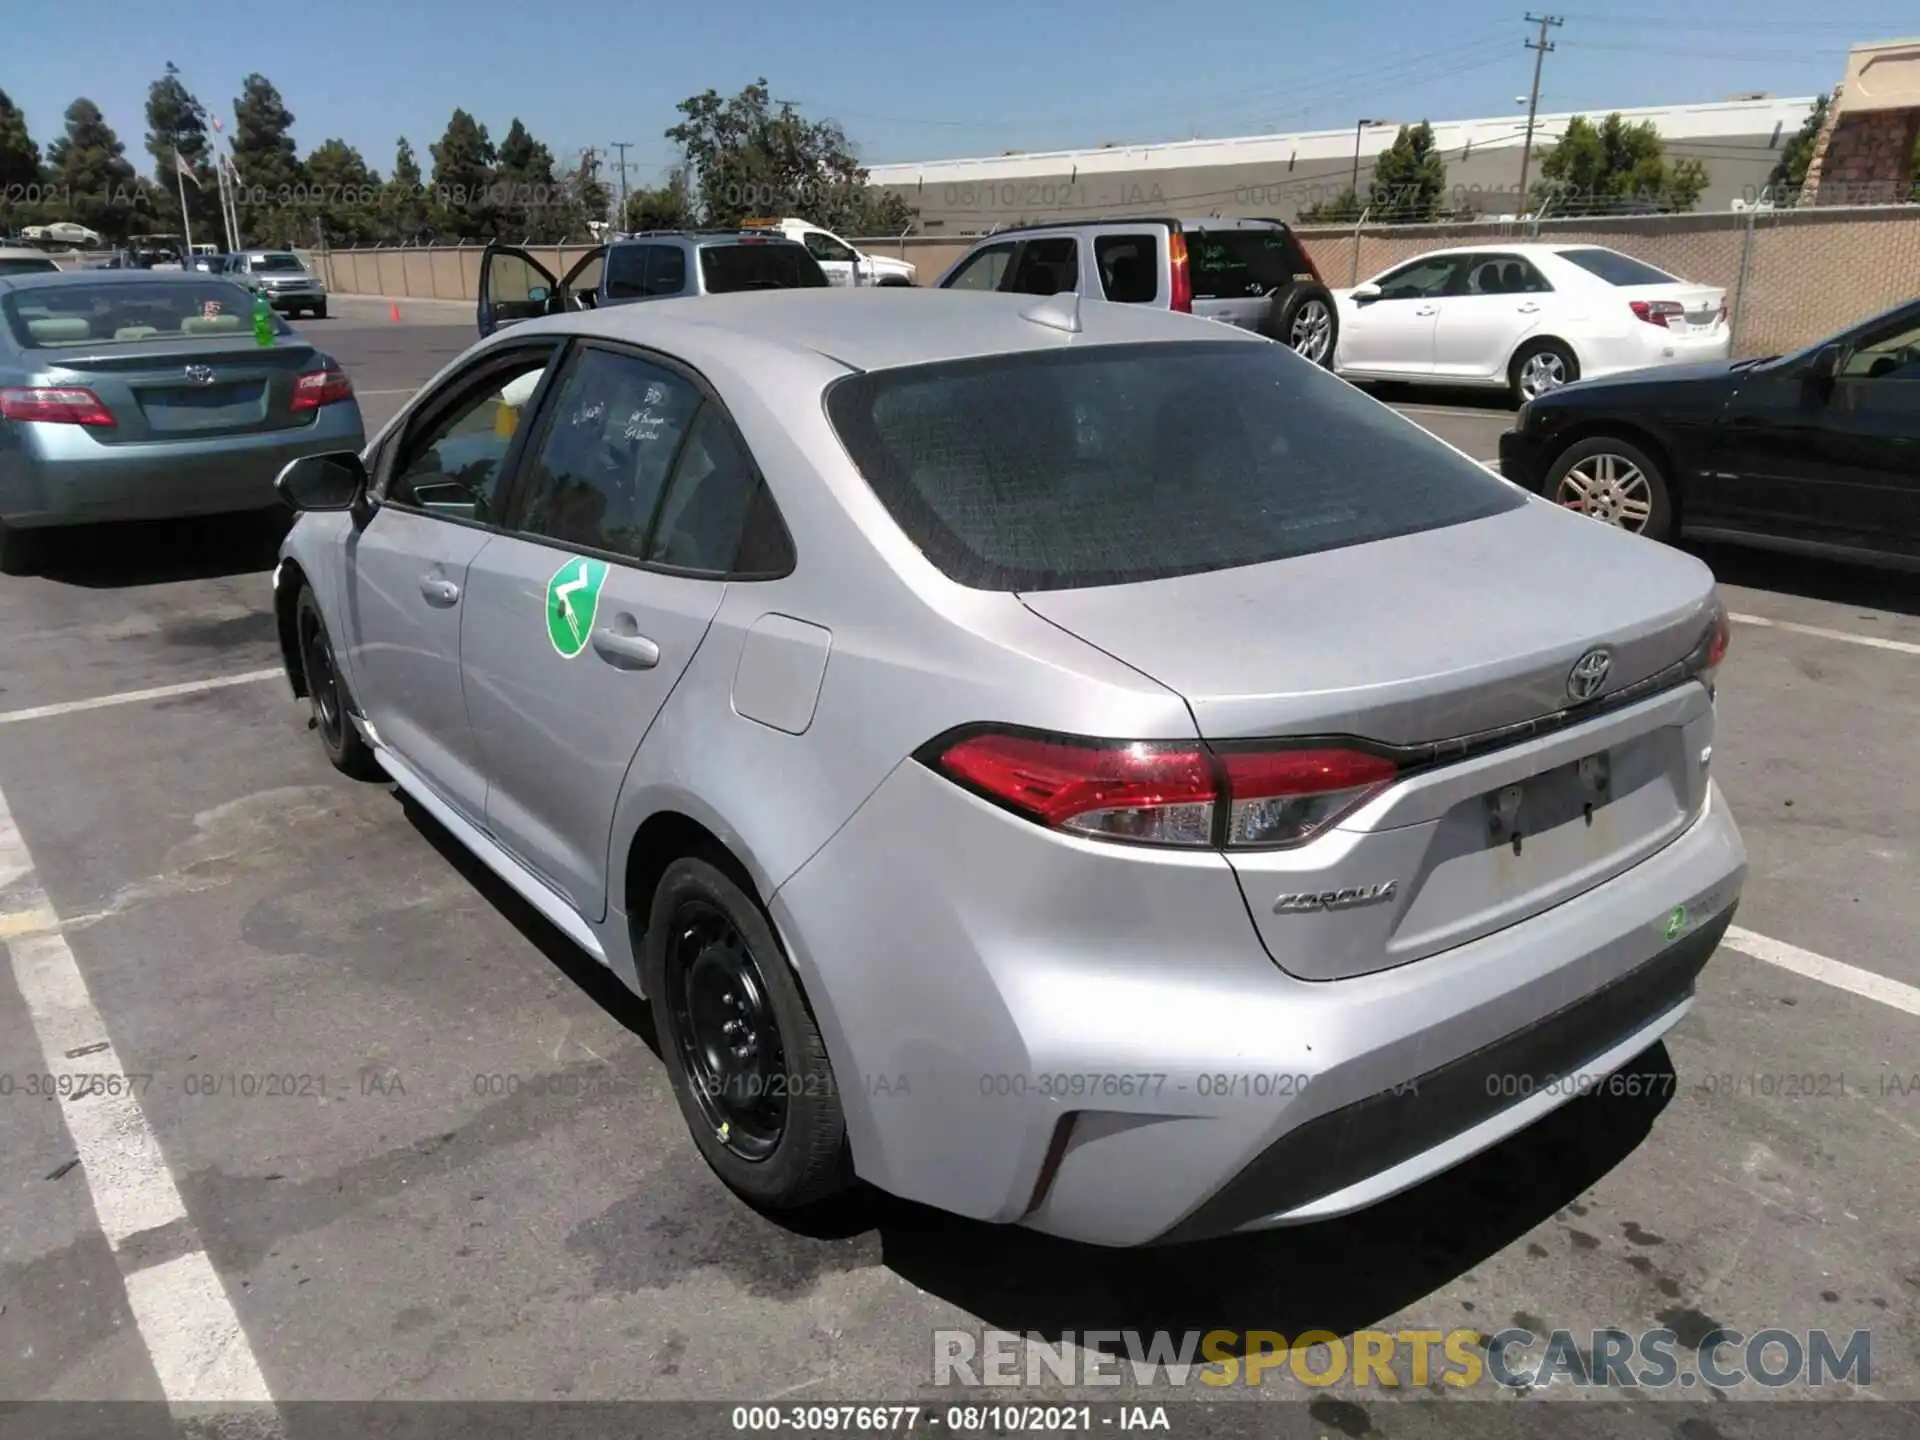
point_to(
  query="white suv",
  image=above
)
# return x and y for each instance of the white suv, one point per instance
(837, 257)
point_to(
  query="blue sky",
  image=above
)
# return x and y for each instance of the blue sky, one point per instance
(920, 81)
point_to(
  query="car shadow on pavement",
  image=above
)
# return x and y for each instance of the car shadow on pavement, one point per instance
(1338, 1275)
(159, 552)
(1838, 582)
(595, 981)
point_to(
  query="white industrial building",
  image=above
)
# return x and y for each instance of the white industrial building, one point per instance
(1738, 141)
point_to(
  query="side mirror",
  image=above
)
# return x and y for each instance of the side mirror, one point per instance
(1824, 367)
(333, 481)
(1366, 292)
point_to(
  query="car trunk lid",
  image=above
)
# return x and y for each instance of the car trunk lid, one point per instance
(1453, 649)
(192, 390)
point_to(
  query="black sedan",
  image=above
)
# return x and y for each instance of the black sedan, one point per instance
(1818, 451)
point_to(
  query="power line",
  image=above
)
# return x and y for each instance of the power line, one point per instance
(1540, 48)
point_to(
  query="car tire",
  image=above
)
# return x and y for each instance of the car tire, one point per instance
(1307, 322)
(320, 311)
(710, 962)
(1540, 367)
(327, 694)
(16, 550)
(1616, 482)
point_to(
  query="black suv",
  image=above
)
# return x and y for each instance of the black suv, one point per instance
(1252, 273)
(652, 265)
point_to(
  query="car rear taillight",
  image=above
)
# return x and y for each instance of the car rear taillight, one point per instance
(321, 387)
(1657, 312)
(1723, 310)
(1182, 277)
(1165, 793)
(1704, 663)
(58, 405)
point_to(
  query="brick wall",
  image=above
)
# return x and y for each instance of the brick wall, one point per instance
(1864, 158)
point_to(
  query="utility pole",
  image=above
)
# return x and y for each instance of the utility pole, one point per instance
(1540, 48)
(622, 146)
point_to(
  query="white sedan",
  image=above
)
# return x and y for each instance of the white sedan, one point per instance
(1525, 318)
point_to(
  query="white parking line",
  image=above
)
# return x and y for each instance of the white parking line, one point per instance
(134, 697)
(1828, 972)
(1904, 647)
(199, 1350)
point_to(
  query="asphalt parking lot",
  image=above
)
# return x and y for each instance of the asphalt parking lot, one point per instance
(427, 1151)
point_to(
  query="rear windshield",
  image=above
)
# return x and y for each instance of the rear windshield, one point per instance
(51, 317)
(763, 266)
(277, 264)
(1617, 269)
(1234, 264)
(1117, 464)
(25, 265)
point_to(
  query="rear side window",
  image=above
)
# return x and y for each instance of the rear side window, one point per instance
(1123, 463)
(785, 266)
(31, 265)
(1617, 269)
(1237, 264)
(645, 272)
(1047, 267)
(1129, 267)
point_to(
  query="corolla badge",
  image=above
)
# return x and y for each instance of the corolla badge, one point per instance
(1342, 899)
(1589, 674)
(200, 374)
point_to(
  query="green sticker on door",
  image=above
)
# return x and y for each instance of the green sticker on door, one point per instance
(573, 599)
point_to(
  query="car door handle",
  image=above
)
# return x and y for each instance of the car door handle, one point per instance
(1428, 310)
(439, 591)
(1529, 308)
(625, 651)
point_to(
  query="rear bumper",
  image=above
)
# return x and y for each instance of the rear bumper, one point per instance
(1030, 1028)
(1646, 346)
(72, 479)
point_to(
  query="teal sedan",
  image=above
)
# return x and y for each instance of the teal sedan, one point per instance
(142, 395)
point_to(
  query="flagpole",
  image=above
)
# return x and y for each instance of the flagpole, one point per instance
(186, 221)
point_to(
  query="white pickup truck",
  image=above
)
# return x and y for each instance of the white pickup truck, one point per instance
(837, 257)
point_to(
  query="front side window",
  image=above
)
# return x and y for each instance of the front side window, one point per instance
(982, 270)
(825, 247)
(1422, 280)
(1121, 463)
(616, 424)
(454, 463)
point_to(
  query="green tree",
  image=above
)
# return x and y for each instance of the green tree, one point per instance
(1341, 209)
(1615, 168)
(589, 200)
(668, 206)
(1409, 179)
(177, 124)
(883, 212)
(462, 205)
(343, 194)
(20, 173)
(403, 201)
(531, 202)
(98, 188)
(747, 157)
(271, 201)
(1790, 171)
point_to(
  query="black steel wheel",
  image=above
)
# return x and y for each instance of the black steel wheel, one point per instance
(748, 1066)
(328, 696)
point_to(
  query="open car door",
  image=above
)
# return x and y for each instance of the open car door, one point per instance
(514, 286)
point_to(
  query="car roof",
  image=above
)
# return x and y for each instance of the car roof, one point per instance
(22, 252)
(49, 279)
(874, 328)
(706, 237)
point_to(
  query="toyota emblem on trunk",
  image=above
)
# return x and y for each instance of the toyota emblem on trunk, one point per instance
(1589, 673)
(200, 374)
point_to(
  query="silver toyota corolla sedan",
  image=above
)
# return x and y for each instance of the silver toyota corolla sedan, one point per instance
(1065, 763)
